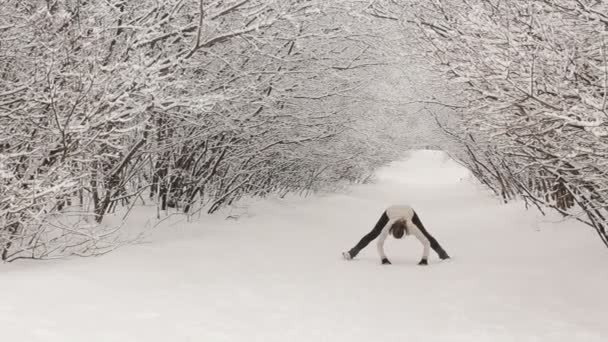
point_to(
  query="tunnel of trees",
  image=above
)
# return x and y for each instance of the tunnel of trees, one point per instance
(190, 106)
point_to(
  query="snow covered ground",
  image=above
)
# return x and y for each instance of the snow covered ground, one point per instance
(276, 274)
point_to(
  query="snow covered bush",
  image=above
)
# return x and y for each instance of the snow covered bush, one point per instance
(532, 80)
(189, 104)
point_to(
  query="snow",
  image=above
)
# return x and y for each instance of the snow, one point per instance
(276, 274)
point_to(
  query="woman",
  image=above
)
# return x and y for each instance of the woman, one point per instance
(397, 220)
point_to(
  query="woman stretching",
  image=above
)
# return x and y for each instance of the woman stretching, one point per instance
(399, 220)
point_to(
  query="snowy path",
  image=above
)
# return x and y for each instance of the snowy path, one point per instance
(276, 275)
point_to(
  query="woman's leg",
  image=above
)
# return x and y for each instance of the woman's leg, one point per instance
(369, 237)
(434, 244)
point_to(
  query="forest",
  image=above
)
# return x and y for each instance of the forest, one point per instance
(190, 106)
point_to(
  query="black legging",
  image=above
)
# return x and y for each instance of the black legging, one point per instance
(369, 237)
(434, 244)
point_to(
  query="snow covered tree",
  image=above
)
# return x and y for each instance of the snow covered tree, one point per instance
(532, 86)
(191, 104)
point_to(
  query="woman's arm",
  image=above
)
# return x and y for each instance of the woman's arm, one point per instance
(383, 235)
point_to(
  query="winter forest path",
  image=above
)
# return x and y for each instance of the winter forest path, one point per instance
(276, 274)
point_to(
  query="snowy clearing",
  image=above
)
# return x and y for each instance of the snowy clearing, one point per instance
(276, 274)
